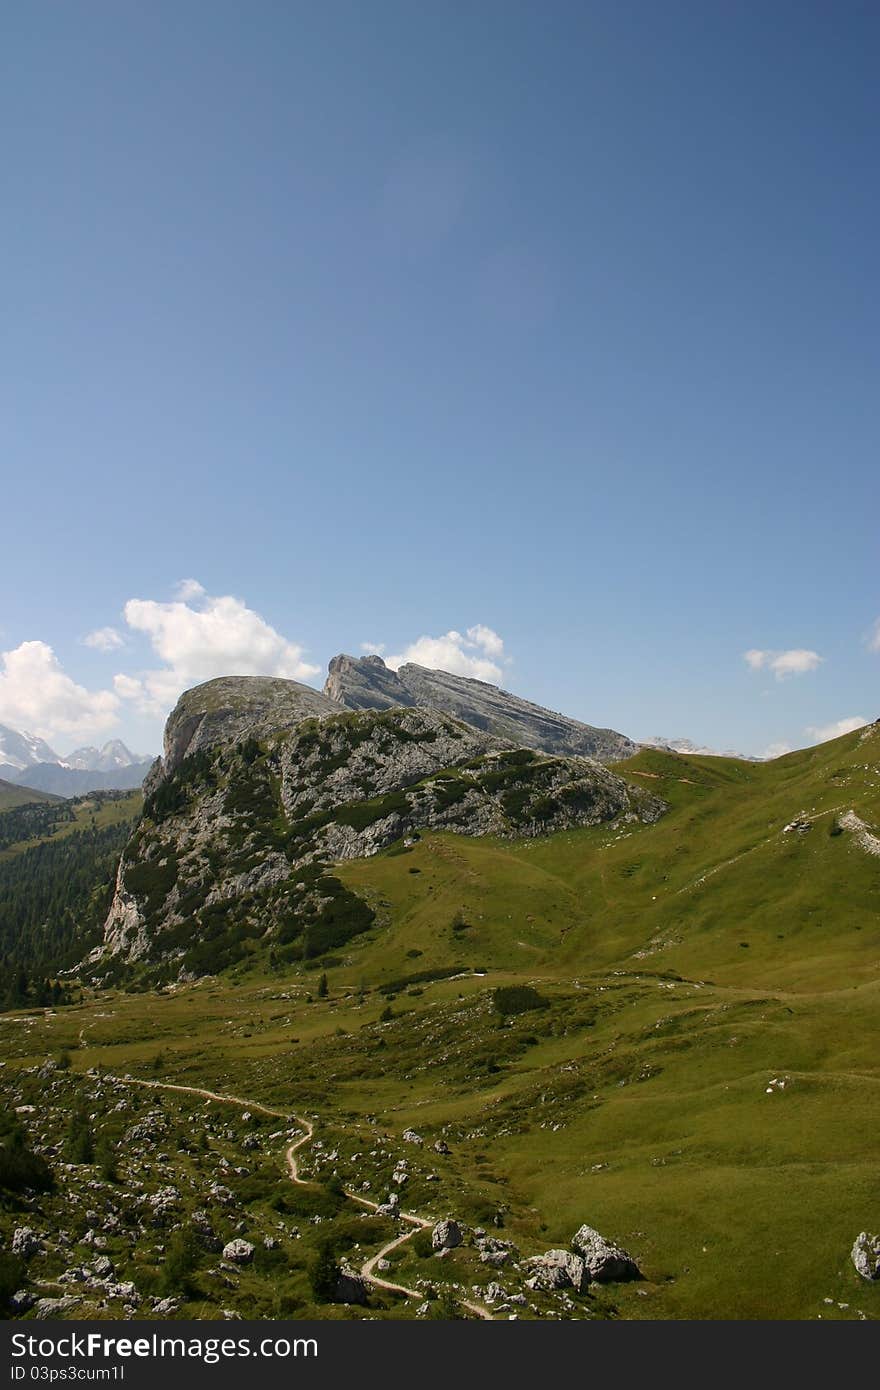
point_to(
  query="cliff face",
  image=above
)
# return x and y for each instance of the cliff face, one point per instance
(230, 709)
(367, 683)
(262, 788)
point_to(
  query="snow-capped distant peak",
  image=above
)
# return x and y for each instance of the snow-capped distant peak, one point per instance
(687, 746)
(21, 750)
(112, 756)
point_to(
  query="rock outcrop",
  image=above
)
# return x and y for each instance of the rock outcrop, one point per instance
(866, 1255)
(262, 787)
(230, 709)
(239, 1252)
(558, 1269)
(605, 1262)
(367, 683)
(446, 1235)
(25, 1242)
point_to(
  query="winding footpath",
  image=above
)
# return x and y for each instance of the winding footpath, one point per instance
(418, 1223)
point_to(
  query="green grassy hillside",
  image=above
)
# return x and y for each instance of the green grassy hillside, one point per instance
(12, 795)
(702, 1082)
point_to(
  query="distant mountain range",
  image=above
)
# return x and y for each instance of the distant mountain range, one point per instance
(687, 746)
(29, 761)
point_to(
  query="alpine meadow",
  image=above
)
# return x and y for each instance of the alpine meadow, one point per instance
(439, 719)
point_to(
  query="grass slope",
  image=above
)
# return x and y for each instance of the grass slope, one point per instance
(11, 795)
(101, 810)
(689, 968)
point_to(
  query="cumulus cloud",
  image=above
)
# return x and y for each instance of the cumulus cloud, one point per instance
(104, 639)
(475, 653)
(373, 648)
(795, 662)
(821, 733)
(200, 637)
(776, 750)
(36, 694)
(188, 589)
(127, 687)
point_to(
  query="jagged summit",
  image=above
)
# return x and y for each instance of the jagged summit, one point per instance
(367, 683)
(112, 756)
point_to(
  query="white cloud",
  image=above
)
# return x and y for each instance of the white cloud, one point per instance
(823, 732)
(104, 639)
(203, 638)
(37, 694)
(128, 687)
(795, 662)
(476, 654)
(373, 648)
(776, 750)
(189, 589)
(874, 637)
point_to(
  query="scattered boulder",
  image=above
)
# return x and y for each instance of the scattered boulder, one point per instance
(446, 1235)
(493, 1251)
(222, 1194)
(350, 1287)
(125, 1290)
(800, 825)
(866, 1255)
(240, 1252)
(558, 1269)
(441, 1146)
(411, 1137)
(25, 1242)
(55, 1307)
(605, 1262)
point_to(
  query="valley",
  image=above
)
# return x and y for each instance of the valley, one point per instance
(663, 1028)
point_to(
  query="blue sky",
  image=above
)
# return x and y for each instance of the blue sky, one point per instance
(393, 320)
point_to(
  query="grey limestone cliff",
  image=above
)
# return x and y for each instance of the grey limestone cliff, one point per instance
(265, 784)
(230, 709)
(367, 683)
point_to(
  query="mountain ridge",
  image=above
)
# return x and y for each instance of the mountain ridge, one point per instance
(367, 683)
(28, 761)
(264, 783)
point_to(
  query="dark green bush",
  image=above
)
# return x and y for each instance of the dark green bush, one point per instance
(182, 1255)
(19, 1167)
(360, 814)
(517, 999)
(323, 1271)
(80, 1142)
(12, 1275)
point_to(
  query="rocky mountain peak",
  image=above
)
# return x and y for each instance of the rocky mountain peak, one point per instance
(367, 683)
(265, 784)
(232, 708)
